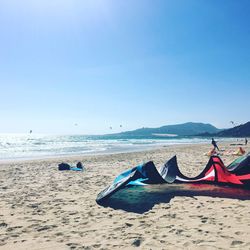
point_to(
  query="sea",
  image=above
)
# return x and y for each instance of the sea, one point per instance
(36, 146)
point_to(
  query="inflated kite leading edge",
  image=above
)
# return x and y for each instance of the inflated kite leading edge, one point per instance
(215, 172)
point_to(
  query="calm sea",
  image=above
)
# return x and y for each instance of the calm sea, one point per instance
(13, 146)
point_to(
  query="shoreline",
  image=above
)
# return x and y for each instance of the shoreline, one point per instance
(77, 155)
(100, 153)
(43, 208)
(58, 157)
(32, 150)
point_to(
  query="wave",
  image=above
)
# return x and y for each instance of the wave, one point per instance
(35, 146)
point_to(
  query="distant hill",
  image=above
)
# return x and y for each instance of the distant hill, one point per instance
(238, 131)
(185, 129)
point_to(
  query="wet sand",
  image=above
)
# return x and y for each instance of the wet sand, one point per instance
(43, 208)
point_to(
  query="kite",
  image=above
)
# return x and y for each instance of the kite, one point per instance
(237, 174)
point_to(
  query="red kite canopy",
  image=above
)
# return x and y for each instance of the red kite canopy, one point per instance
(215, 172)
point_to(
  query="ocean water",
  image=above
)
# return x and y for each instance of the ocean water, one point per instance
(29, 146)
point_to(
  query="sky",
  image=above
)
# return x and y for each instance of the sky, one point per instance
(83, 66)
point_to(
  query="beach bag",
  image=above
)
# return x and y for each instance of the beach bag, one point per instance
(63, 166)
(79, 165)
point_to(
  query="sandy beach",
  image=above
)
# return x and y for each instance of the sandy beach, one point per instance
(43, 208)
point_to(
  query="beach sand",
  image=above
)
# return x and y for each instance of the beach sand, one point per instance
(43, 208)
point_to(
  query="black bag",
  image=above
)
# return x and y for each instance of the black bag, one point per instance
(63, 166)
(79, 165)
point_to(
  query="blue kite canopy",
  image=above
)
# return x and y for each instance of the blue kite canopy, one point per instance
(215, 172)
(141, 175)
(241, 166)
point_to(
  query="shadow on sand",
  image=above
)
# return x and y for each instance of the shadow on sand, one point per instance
(140, 199)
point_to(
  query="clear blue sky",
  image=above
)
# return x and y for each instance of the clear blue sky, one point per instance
(102, 63)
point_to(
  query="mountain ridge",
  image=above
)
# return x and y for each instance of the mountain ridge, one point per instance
(242, 130)
(183, 129)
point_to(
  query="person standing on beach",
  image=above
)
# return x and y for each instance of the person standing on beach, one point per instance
(214, 144)
(246, 141)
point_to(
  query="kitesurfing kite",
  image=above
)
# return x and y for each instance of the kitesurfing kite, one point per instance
(236, 174)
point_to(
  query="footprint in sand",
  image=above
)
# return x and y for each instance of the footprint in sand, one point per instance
(236, 243)
(137, 242)
(128, 224)
(3, 224)
(46, 227)
(72, 245)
